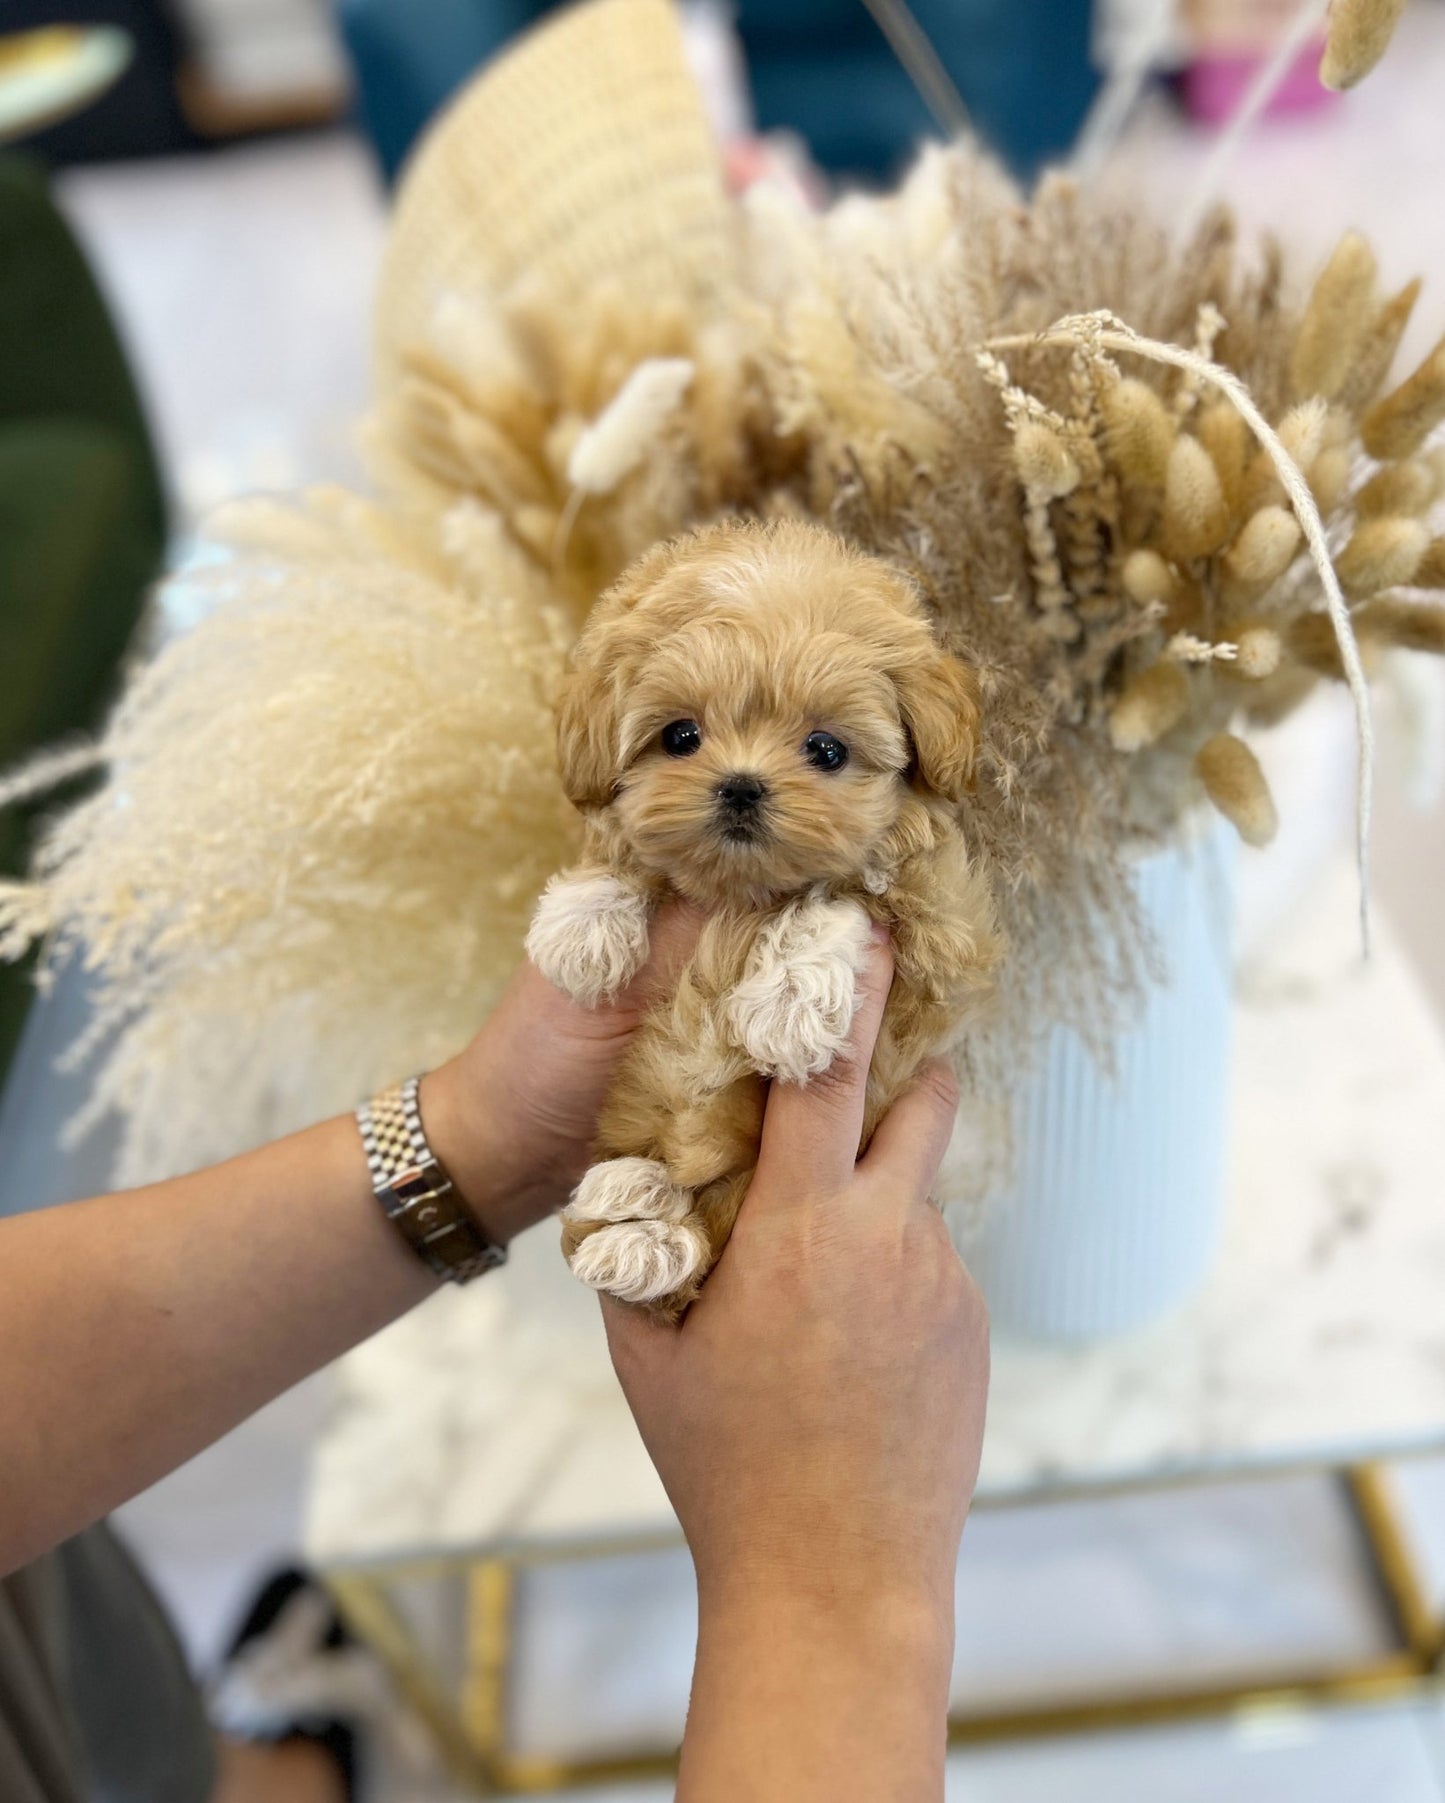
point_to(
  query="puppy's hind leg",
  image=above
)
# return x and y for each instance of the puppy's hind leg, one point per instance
(681, 1124)
(630, 1231)
(648, 1230)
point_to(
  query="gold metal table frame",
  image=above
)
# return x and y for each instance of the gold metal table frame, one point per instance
(469, 1718)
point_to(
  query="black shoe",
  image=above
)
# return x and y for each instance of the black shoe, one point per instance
(293, 1673)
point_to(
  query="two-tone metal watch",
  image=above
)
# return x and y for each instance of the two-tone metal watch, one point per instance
(419, 1198)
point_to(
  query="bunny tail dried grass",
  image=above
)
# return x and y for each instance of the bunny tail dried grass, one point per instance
(1357, 36)
(1420, 394)
(1399, 424)
(1335, 320)
(614, 444)
(331, 807)
(1235, 784)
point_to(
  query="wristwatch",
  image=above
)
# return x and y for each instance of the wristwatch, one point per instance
(418, 1197)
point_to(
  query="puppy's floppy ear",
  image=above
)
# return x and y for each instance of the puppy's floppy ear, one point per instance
(587, 737)
(588, 730)
(938, 695)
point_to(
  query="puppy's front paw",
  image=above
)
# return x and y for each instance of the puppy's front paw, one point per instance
(792, 1011)
(589, 935)
(628, 1231)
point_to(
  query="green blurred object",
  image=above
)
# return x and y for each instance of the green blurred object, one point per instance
(82, 513)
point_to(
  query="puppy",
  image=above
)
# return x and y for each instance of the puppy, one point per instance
(759, 719)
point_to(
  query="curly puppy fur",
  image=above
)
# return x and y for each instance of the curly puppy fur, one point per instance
(755, 639)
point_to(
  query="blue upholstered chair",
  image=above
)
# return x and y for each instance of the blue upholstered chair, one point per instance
(818, 67)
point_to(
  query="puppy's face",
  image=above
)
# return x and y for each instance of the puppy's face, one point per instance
(752, 705)
(760, 761)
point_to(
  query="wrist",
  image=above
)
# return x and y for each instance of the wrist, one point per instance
(468, 1148)
(881, 1613)
(819, 1697)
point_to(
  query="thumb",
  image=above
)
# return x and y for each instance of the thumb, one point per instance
(672, 939)
(637, 1340)
(811, 1131)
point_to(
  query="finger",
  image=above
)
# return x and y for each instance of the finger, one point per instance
(811, 1130)
(635, 1336)
(671, 940)
(911, 1139)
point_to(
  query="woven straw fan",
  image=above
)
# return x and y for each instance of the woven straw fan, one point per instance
(580, 157)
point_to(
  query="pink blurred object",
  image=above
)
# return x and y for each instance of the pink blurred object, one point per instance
(780, 157)
(1214, 84)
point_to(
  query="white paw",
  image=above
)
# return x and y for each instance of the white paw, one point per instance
(650, 1247)
(589, 935)
(640, 1261)
(624, 1189)
(792, 1011)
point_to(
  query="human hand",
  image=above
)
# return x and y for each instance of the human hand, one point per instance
(512, 1117)
(816, 1417)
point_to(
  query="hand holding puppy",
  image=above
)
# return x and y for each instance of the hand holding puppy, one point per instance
(816, 1419)
(513, 1116)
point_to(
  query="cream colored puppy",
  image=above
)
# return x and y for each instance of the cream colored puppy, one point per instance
(759, 719)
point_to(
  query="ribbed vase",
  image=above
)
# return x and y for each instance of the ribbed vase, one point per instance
(1114, 1209)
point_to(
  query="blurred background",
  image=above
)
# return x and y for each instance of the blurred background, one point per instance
(193, 199)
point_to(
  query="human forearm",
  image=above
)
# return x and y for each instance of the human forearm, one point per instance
(136, 1329)
(838, 1695)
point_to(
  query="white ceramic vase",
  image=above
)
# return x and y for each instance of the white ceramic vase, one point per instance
(1114, 1207)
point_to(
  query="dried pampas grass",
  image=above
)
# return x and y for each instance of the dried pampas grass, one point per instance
(331, 806)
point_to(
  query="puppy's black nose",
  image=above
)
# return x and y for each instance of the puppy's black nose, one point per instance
(741, 794)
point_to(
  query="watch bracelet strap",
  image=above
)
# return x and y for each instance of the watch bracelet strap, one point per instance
(416, 1194)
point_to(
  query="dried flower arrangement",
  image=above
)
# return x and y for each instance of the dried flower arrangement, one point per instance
(1151, 494)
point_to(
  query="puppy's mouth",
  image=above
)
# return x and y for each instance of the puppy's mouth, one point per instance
(742, 832)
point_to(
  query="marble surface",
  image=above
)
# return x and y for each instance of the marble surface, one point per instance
(490, 1418)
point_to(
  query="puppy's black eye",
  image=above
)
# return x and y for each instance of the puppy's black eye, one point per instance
(824, 752)
(681, 738)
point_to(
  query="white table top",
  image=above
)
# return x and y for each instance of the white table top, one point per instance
(490, 1418)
